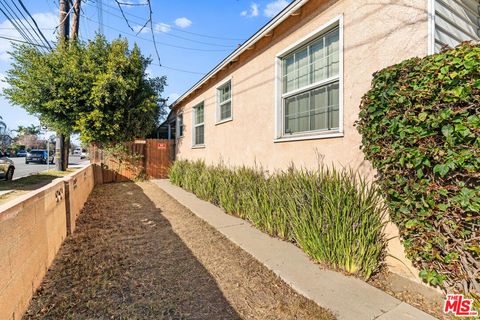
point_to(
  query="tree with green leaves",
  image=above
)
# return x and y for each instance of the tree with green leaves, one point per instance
(29, 130)
(97, 89)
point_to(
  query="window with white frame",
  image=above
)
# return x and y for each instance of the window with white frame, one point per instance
(224, 108)
(198, 125)
(179, 124)
(310, 86)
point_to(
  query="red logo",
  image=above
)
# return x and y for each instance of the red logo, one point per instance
(459, 306)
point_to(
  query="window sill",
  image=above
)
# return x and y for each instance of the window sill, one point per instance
(223, 121)
(309, 137)
(198, 146)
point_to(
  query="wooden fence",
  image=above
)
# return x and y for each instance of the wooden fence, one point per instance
(152, 160)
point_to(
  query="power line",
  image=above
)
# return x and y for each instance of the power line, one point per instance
(173, 28)
(179, 70)
(162, 43)
(28, 22)
(36, 37)
(35, 23)
(22, 41)
(165, 33)
(16, 24)
(153, 33)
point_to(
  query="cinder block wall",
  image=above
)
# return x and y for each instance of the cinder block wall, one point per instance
(32, 229)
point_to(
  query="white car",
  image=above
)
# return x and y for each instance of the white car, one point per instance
(77, 152)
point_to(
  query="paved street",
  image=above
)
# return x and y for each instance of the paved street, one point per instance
(22, 169)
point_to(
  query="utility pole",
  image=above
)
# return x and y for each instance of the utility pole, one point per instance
(63, 30)
(75, 20)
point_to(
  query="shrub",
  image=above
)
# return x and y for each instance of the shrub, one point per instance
(420, 127)
(334, 216)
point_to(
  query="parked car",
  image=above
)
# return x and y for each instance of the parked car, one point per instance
(77, 152)
(39, 156)
(22, 153)
(83, 154)
(6, 168)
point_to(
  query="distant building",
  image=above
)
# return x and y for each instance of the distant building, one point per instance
(6, 140)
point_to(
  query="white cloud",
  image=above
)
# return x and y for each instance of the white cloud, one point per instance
(46, 21)
(138, 28)
(183, 22)
(162, 27)
(173, 96)
(254, 10)
(251, 12)
(274, 7)
(130, 3)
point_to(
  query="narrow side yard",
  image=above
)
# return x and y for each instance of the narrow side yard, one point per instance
(139, 254)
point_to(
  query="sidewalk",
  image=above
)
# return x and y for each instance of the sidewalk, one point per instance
(346, 297)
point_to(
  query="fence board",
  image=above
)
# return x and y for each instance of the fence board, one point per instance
(156, 157)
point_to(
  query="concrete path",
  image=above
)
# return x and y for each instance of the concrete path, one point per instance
(346, 297)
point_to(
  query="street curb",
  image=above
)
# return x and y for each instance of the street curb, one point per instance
(346, 297)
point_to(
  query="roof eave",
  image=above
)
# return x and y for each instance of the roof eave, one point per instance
(279, 18)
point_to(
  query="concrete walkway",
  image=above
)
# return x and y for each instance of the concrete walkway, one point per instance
(346, 297)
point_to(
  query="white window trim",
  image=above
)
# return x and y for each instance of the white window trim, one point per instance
(177, 126)
(279, 96)
(194, 125)
(217, 103)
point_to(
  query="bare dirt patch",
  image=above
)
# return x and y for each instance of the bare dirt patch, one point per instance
(139, 254)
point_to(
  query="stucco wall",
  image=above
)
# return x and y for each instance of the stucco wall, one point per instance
(32, 229)
(377, 33)
(79, 185)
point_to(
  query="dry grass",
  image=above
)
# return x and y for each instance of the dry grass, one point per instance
(29, 183)
(139, 254)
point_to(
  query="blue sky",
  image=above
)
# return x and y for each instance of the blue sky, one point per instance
(192, 36)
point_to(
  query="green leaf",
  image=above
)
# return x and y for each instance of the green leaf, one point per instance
(422, 116)
(441, 169)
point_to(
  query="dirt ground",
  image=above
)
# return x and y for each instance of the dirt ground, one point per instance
(139, 254)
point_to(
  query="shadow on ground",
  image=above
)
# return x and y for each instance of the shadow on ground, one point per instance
(125, 262)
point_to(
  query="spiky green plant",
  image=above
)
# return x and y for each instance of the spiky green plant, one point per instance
(335, 216)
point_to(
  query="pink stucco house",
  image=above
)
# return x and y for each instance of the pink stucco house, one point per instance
(291, 93)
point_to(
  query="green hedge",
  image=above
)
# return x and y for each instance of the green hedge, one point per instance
(420, 127)
(334, 216)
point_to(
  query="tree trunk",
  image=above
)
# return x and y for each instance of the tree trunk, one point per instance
(66, 152)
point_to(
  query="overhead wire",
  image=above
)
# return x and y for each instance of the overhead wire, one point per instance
(22, 41)
(173, 28)
(35, 23)
(35, 38)
(31, 33)
(24, 33)
(166, 33)
(28, 22)
(162, 43)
